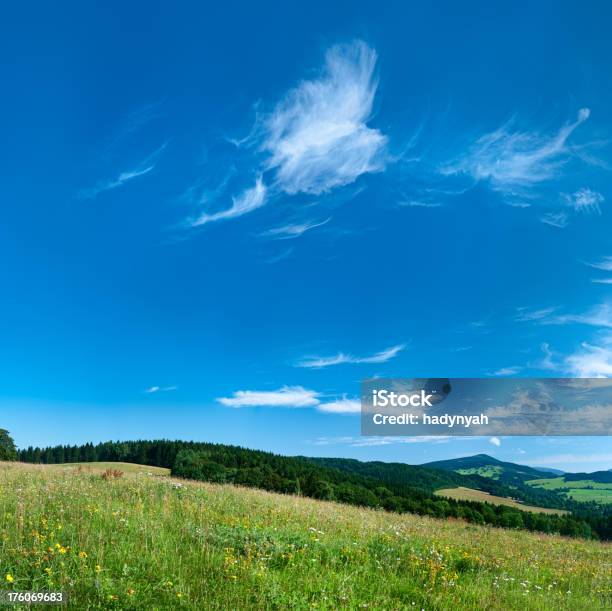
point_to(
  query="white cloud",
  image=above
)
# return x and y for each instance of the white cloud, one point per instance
(590, 361)
(341, 358)
(547, 361)
(525, 315)
(604, 265)
(119, 181)
(294, 230)
(249, 200)
(599, 316)
(287, 396)
(507, 371)
(341, 406)
(512, 160)
(316, 138)
(317, 135)
(585, 200)
(495, 441)
(555, 219)
(602, 280)
(148, 165)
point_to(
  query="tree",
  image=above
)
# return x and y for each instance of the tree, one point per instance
(8, 451)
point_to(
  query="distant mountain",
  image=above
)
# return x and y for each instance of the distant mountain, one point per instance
(487, 466)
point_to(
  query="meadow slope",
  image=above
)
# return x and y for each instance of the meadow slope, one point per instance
(148, 542)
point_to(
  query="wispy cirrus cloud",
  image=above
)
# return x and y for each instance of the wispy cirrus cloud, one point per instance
(605, 264)
(527, 315)
(142, 169)
(294, 230)
(250, 199)
(585, 200)
(155, 389)
(559, 220)
(316, 138)
(598, 316)
(591, 361)
(548, 360)
(512, 160)
(319, 362)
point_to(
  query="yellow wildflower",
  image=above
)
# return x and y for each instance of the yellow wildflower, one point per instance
(82, 554)
(98, 568)
(10, 578)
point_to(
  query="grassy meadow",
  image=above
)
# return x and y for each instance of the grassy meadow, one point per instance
(580, 490)
(143, 541)
(468, 494)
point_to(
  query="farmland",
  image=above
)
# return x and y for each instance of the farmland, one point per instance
(583, 490)
(468, 494)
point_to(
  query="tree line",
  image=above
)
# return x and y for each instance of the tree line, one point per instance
(299, 475)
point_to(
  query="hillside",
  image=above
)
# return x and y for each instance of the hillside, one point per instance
(481, 473)
(487, 466)
(579, 492)
(580, 487)
(141, 541)
(392, 486)
(469, 494)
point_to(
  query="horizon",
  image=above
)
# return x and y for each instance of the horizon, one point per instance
(538, 467)
(216, 228)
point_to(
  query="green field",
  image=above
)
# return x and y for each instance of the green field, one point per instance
(580, 490)
(488, 471)
(468, 494)
(142, 542)
(126, 467)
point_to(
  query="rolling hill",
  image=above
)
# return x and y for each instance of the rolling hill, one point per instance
(142, 542)
(392, 486)
(487, 466)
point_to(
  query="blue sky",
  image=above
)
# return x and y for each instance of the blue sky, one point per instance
(215, 221)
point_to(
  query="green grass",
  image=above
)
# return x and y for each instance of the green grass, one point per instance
(126, 467)
(488, 471)
(469, 494)
(579, 490)
(142, 542)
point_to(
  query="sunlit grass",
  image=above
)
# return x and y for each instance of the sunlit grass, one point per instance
(469, 494)
(147, 542)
